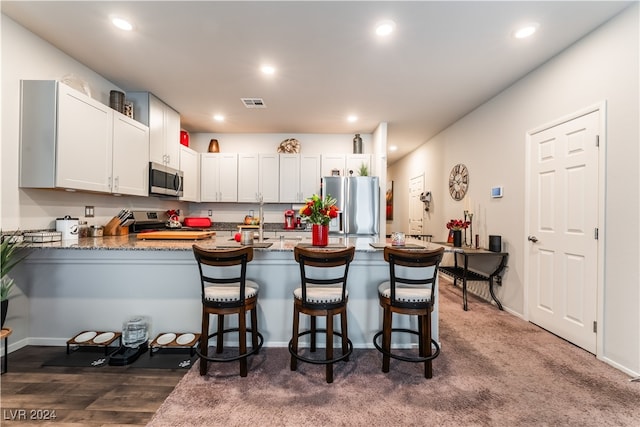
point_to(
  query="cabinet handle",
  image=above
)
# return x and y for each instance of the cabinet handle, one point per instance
(116, 183)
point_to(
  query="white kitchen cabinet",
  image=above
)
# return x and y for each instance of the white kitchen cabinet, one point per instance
(258, 177)
(355, 161)
(190, 165)
(218, 177)
(299, 177)
(345, 163)
(69, 140)
(130, 156)
(164, 127)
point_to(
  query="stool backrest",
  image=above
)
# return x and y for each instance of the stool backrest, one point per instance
(412, 258)
(223, 258)
(324, 258)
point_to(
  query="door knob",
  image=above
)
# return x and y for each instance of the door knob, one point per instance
(533, 239)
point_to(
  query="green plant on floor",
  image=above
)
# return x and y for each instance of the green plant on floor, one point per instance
(11, 254)
(364, 170)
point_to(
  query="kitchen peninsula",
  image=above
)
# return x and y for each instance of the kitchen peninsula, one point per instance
(97, 283)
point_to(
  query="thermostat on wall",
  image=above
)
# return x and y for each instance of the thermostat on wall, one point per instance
(496, 192)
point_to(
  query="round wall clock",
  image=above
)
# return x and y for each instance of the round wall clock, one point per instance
(458, 181)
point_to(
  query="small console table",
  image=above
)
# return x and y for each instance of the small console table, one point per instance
(462, 272)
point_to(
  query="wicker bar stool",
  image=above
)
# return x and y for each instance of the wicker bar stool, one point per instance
(410, 295)
(226, 290)
(326, 296)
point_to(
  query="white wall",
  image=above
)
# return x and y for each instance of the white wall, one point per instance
(491, 142)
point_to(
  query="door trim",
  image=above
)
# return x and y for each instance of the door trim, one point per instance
(600, 280)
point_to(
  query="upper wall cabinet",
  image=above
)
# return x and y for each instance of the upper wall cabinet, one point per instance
(70, 140)
(299, 177)
(190, 165)
(218, 177)
(258, 177)
(345, 163)
(164, 127)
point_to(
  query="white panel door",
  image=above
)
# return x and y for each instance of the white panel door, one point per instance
(130, 156)
(563, 249)
(416, 219)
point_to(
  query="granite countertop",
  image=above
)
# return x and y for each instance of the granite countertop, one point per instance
(131, 242)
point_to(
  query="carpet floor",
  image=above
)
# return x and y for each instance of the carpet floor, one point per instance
(494, 370)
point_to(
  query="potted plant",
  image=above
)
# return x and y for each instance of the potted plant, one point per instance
(319, 212)
(10, 256)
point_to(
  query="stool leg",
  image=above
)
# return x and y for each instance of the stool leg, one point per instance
(426, 322)
(313, 333)
(345, 335)
(386, 338)
(242, 340)
(220, 336)
(294, 337)
(254, 328)
(329, 348)
(204, 341)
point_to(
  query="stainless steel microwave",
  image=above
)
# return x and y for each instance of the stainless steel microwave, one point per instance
(165, 181)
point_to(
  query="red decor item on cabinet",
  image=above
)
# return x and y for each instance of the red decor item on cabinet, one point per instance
(184, 138)
(319, 235)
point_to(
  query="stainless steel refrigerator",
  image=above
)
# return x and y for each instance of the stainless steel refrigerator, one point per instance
(358, 201)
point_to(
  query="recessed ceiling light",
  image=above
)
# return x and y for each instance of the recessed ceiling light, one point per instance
(121, 23)
(393, 148)
(352, 119)
(526, 31)
(267, 69)
(384, 28)
(218, 118)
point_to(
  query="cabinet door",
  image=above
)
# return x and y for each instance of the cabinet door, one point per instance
(331, 162)
(289, 178)
(156, 131)
(355, 161)
(218, 177)
(172, 137)
(269, 180)
(228, 177)
(84, 137)
(190, 166)
(130, 156)
(309, 175)
(248, 177)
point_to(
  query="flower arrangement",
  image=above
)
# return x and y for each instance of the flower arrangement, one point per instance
(318, 210)
(457, 224)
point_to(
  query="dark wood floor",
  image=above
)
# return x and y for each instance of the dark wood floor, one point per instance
(108, 395)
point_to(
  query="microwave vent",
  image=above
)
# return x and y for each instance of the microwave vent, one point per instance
(253, 102)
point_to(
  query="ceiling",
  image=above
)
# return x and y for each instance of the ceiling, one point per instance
(443, 60)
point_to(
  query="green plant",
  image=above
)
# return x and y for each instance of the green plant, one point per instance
(11, 254)
(364, 170)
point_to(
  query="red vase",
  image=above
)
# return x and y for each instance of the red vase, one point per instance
(319, 235)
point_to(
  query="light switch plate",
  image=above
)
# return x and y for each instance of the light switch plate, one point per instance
(88, 211)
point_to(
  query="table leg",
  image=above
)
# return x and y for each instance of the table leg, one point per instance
(493, 295)
(464, 283)
(5, 362)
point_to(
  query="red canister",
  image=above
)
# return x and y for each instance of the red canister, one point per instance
(184, 138)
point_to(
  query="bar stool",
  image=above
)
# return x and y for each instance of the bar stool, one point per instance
(322, 293)
(225, 290)
(410, 291)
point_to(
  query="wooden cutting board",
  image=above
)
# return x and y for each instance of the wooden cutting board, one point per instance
(176, 235)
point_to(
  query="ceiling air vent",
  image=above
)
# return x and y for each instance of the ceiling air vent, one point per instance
(253, 102)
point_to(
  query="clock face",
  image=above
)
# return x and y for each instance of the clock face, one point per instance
(458, 181)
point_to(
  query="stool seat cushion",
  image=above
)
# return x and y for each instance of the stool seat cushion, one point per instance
(406, 293)
(321, 294)
(230, 292)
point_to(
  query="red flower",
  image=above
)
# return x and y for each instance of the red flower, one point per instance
(457, 224)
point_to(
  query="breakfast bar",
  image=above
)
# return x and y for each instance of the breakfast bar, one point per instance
(97, 283)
